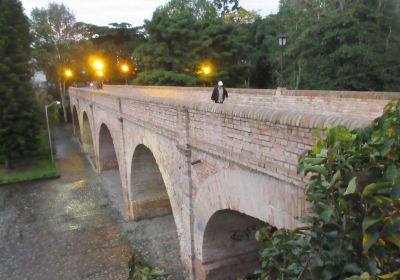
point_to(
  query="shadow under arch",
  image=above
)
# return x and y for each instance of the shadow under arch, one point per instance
(230, 250)
(75, 121)
(149, 194)
(152, 212)
(107, 155)
(87, 139)
(109, 168)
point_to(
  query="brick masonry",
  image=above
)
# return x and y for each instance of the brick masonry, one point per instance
(240, 156)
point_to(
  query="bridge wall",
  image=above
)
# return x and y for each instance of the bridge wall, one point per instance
(239, 157)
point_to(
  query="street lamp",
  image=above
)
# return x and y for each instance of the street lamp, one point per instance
(125, 69)
(99, 66)
(67, 75)
(100, 73)
(48, 126)
(282, 38)
(206, 70)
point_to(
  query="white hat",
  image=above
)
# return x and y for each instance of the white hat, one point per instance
(220, 83)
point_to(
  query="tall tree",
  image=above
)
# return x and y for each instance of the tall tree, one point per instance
(338, 44)
(18, 115)
(54, 32)
(114, 44)
(175, 43)
(226, 6)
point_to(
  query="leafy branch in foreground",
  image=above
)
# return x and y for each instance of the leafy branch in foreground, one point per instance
(353, 228)
(140, 270)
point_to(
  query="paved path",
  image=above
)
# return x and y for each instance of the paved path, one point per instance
(61, 229)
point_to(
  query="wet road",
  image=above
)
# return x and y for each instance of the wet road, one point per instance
(64, 228)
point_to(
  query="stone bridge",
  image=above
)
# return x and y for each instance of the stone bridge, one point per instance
(222, 171)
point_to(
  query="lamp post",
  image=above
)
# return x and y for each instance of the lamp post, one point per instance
(125, 69)
(67, 74)
(98, 66)
(48, 126)
(205, 71)
(282, 38)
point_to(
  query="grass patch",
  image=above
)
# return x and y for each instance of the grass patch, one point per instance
(28, 169)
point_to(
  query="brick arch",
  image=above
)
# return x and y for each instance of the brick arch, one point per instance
(108, 157)
(75, 121)
(240, 194)
(149, 194)
(87, 136)
(165, 172)
(162, 200)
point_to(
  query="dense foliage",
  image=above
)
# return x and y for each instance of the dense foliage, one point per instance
(341, 44)
(186, 35)
(354, 196)
(18, 111)
(332, 44)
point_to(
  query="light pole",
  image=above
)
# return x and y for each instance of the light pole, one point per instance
(282, 38)
(205, 71)
(99, 66)
(125, 69)
(48, 126)
(67, 74)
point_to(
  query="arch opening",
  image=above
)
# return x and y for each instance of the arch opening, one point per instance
(149, 194)
(75, 119)
(87, 140)
(230, 249)
(107, 156)
(109, 169)
(152, 211)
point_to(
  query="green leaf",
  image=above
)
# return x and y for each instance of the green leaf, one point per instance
(343, 134)
(369, 221)
(374, 187)
(337, 176)
(314, 161)
(387, 147)
(364, 276)
(328, 273)
(396, 190)
(351, 188)
(394, 238)
(352, 268)
(315, 169)
(389, 275)
(391, 172)
(326, 214)
(369, 239)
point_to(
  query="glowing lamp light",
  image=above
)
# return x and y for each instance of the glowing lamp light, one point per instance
(206, 70)
(100, 73)
(68, 73)
(98, 65)
(125, 68)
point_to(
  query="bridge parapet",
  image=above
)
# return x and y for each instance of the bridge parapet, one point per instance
(349, 103)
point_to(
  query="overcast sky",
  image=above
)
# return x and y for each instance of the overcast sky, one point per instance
(103, 12)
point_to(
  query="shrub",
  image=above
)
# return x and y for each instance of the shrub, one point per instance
(353, 227)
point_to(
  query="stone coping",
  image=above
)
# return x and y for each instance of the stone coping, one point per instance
(279, 91)
(275, 116)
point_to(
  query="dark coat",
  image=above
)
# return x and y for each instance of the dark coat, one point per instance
(215, 94)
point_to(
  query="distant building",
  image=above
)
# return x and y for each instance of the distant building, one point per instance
(39, 79)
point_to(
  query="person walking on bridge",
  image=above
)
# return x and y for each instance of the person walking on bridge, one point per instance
(219, 93)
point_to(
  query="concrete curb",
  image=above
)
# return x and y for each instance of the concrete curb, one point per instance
(32, 180)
